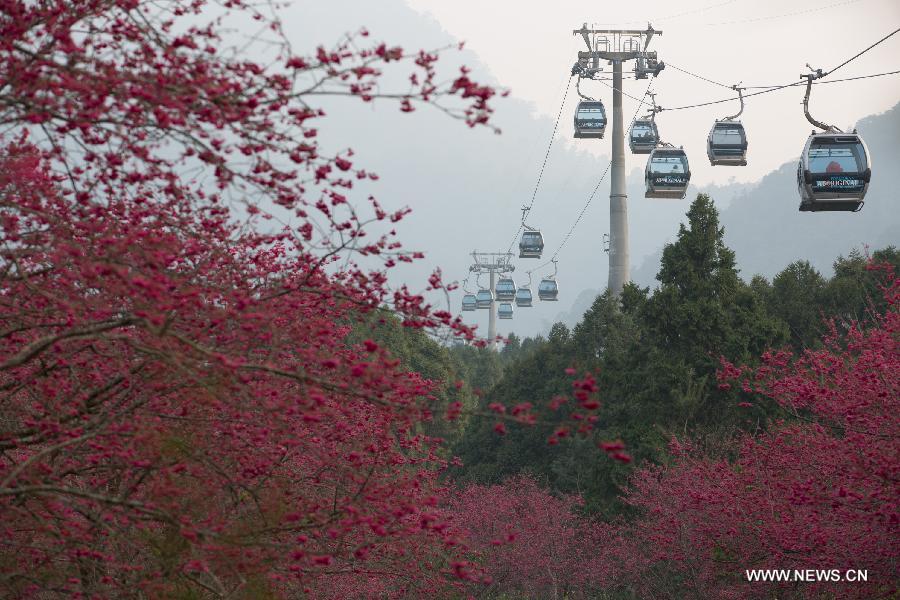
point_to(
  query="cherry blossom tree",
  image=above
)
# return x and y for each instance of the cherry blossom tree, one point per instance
(816, 492)
(180, 415)
(527, 542)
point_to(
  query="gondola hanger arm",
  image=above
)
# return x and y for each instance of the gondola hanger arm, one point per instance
(654, 109)
(737, 87)
(525, 226)
(816, 74)
(578, 89)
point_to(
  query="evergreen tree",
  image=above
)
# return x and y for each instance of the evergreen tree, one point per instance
(797, 299)
(701, 312)
(419, 353)
(536, 377)
(854, 291)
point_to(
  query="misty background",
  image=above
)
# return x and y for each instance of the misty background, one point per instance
(466, 186)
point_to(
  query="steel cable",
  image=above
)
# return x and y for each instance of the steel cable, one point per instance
(543, 166)
(593, 193)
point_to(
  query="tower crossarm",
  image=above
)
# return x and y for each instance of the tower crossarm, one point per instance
(616, 40)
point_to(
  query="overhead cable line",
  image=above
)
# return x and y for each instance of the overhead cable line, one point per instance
(624, 93)
(550, 145)
(790, 14)
(778, 85)
(544, 165)
(858, 77)
(775, 88)
(669, 17)
(577, 220)
(766, 91)
(669, 64)
(863, 52)
(593, 194)
(849, 60)
(765, 87)
(695, 11)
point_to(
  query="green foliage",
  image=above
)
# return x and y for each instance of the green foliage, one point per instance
(702, 310)
(854, 290)
(481, 368)
(662, 379)
(535, 377)
(797, 293)
(804, 300)
(419, 353)
(655, 357)
(606, 332)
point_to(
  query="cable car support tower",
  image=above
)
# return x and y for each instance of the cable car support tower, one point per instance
(492, 263)
(617, 46)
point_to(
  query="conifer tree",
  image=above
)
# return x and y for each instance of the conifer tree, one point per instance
(701, 312)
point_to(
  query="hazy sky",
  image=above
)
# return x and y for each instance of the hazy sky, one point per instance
(529, 47)
(466, 186)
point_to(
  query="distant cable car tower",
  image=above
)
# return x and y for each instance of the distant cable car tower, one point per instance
(493, 263)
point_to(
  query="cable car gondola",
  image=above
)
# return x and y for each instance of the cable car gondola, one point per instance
(643, 136)
(469, 302)
(726, 143)
(548, 288)
(667, 174)
(523, 297)
(590, 116)
(835, 167)
(484, 299)
(505, 310)
(590, 119)
(834, 172)
(532, 244)
(505, 289)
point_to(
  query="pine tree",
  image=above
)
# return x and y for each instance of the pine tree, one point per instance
(796, 299)
(701, 312)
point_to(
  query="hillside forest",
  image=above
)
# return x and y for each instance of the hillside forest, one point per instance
(722, 402)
